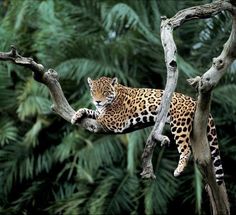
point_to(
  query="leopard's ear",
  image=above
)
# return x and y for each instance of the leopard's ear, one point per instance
(90, 82)
(114, 81)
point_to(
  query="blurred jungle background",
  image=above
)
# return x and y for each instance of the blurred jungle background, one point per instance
(48, 166)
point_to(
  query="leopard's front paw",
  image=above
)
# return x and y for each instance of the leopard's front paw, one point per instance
(77, 117)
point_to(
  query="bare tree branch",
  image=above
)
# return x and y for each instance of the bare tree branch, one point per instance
(217, 194)
(50, 79)
(201, 152)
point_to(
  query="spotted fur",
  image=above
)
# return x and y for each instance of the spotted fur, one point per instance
(120, 108)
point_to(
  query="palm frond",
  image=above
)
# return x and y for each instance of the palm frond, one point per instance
(122, 18)
(18, 25)
(5, 80)
(95, 156)
(211, 39)
(7, 94)
(76, 172)
(61, 29)
(98, 201)
(191, 189)
(77, 69)
(135, 142)
(31, 137)
(8, 131)
(43, 163)
(124, 193)
(84, 175)
(232, 69)
(68, 201)
(26, 197)
(16, 163)
(70, 144)
(225, 93)
(187, 68)
(33, 100)
(228, 147)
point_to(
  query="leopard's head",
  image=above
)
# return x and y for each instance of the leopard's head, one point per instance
(103, 91)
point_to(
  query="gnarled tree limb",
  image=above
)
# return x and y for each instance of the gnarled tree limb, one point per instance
(217, 194)
(50, 79)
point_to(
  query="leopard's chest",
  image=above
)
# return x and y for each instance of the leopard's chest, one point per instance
(130, 115)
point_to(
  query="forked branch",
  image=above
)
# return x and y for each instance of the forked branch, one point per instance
(217, 194)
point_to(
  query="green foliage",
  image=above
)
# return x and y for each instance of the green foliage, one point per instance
(7, 94)
(198, 188)
(48, 166)
(8, 132)
(134, 143)
(159, 192)
(33, 100)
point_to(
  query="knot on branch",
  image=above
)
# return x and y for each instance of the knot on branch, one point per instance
(194, 82)
(206, 85)
(53, 73)
(203, 84)
(173, 63)
(147, 173)
(218, 63)
(50, 75)
(13, 51)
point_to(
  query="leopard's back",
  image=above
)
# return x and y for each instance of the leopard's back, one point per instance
(138, 107)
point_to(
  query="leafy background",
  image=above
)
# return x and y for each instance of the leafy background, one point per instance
(48, 166)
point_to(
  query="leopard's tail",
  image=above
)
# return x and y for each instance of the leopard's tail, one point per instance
(215, 153)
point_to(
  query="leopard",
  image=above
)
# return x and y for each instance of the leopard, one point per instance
(121, 109)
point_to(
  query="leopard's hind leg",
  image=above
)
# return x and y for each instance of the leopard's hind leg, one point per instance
(181, 129)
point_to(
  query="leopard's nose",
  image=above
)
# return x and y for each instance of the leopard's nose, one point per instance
(98, 102)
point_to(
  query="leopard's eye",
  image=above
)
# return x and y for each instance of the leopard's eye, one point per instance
(105, 93)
